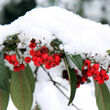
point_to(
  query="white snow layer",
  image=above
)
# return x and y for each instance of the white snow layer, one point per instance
(77, 34)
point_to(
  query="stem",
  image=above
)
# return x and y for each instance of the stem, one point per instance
(55, 84)
(35, 72)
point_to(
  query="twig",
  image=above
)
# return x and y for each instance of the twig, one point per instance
(55, 84)
(35, 72)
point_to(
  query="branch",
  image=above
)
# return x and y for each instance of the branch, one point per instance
(55, 84)
(35, 72)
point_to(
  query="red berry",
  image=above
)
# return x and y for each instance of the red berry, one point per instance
(57, 58)
(44, 49)
(38, 61)
(76, 71)
(50, 58)
(13, 57)
(89, 74)
(65, 75)
(102, 72)
(96, 73)
(100, 81)
(87, 63)
(15, 63)
(32, 45)
(22, 66)
(37, 64)
(38, 53)
(16, 69)
(78, 85)
(96, 66)
(32, 52)
(45, 56)
(7, 57)
(27, 59)
(97, 78)
(90, 71)
(53, 64)
(105, 78)
(11, 62)
(84, 79)
(46, 62)
(47, 66)
(84, 72)
(34, 58)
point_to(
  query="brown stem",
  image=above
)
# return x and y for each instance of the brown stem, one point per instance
(55, 84)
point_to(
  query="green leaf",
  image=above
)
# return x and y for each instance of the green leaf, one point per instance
(55, 43)
(77, 60)
(4, 74)
(72, 78)
(30, 77)
(21, 92)
(4, 99)
(4, 83)
(102, 96)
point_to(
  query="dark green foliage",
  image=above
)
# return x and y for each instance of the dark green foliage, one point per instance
(11, 43)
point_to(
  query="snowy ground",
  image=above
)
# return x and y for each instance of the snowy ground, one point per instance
(78, 35)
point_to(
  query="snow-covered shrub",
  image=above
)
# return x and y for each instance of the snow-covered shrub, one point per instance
(44, 52)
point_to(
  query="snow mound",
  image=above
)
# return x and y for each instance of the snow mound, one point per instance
(78, 34)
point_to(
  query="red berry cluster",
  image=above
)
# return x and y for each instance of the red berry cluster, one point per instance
(12, 59)
(99, 75)
(80, 79)
(42, 56)
(89, 70)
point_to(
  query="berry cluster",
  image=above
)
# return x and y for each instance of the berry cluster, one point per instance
(80, 79)
(99, 75)
(42, 56)
(89, 70)
(12, 59)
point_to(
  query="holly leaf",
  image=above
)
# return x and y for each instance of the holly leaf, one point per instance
(102, 96)
(21, 91)
(4, 99)
(72, 79)
(77, 60)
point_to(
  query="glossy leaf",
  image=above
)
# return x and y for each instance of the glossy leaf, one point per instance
(72, 78)
(77, 60)
(30, 77)
(4, 83)
(21, 92)
(4, 74)
(102, 96)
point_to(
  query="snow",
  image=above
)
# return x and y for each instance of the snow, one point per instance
(64, 25)
(77, 34)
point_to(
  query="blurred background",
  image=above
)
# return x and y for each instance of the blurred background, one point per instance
(97, 10)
